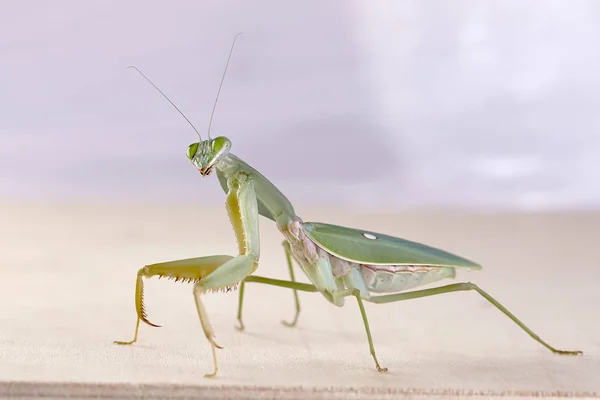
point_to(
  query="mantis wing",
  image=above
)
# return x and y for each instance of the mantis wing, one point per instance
(364, 247)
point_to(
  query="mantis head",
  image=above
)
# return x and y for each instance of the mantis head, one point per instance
(206, 154)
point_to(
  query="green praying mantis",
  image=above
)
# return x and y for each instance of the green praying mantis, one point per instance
(340, 262)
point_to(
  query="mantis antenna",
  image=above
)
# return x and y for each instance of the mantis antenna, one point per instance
(216, 99)
(221, 84)
(169, 100)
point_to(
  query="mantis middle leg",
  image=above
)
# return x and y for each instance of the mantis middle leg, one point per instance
(288, 256)
(311, 288)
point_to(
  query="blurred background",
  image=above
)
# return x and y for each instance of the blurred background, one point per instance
(460, 124)
(482, 105)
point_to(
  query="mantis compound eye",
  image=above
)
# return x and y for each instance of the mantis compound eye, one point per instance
(192, 150)
(220, 145)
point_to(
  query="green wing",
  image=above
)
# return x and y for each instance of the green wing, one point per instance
(366, 247)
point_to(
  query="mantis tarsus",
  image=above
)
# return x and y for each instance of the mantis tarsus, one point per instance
(340, 262)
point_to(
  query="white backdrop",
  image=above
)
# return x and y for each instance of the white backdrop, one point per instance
(369, 103)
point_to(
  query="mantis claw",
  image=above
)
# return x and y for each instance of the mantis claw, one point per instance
(143, 318)
(212, 341)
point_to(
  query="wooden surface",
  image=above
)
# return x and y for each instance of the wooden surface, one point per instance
(67, 276)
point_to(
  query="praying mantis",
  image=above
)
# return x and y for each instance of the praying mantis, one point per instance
(340, 262)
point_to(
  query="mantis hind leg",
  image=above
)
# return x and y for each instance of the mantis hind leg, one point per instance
(356, 293)
(357, 290)
(456, 287)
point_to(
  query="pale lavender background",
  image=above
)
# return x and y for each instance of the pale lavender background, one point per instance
(370, 103)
